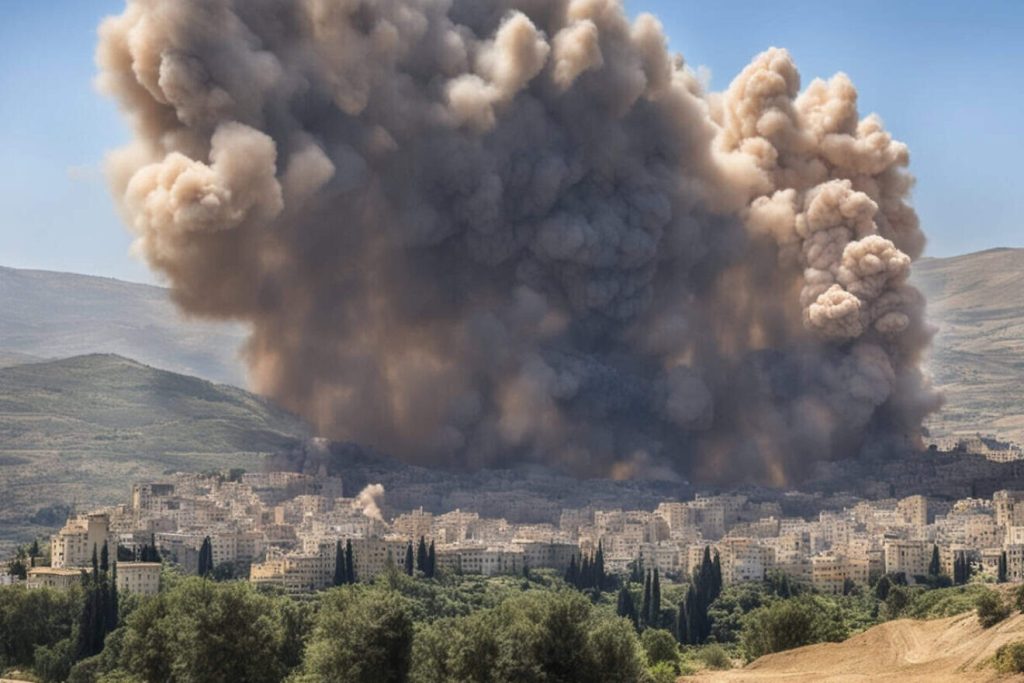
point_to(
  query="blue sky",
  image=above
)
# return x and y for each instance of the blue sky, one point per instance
(947, 77)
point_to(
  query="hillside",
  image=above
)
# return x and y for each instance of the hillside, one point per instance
(82, 429)
(58, 315)
(937, 651)
(977, 302)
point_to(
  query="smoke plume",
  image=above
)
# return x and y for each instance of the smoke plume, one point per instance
(479, 232)
(368, 501)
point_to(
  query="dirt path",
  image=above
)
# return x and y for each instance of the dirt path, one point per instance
(954, 649)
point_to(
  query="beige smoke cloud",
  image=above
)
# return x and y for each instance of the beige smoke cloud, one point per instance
(474, 233)
(369, 500)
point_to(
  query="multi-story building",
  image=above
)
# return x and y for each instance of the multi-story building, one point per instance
(140, 578)
(909, 557)
(75, 543)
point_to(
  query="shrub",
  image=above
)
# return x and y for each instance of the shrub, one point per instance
(714, 657)
(780, 626)
(662, 672)
(1009, 658)
(944, 602)
(1018, 599)
(660, 646)
(991, 609)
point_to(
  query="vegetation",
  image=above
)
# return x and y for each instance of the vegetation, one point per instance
(1009, 658)
(991, 608)
(446, 629)
(90, 423)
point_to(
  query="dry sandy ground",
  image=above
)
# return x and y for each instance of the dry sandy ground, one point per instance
(938, 651)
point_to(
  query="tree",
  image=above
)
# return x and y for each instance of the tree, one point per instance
(626, 608)
(782, 625)
(682, 624)
(645, 606)
(615, 651)
(361, 636)
(654, 617)
(599, 576)
(572, 574)
(991, 609)
(408, 559)
(340, 577)
(421, 556)
(1002, 574)
(716, 577)
(934, 567)
(204, 631)
(350, 564)
(660, 646)
(432, 561)
(34, 552)
(205, 565)
(882, 588)
(105, 558)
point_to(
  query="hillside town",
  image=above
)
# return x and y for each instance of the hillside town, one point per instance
(286, 530)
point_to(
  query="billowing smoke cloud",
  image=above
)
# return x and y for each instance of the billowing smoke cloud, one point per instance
(480, 232)
(368, 501)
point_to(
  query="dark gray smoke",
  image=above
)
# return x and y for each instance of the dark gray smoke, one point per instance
(478, 232)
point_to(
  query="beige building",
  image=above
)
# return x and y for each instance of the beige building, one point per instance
(910, 557)
(140, 578)
(74, 544)
(58, 578)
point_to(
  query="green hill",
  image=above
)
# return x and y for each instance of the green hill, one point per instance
(84, 428)
(977, 303)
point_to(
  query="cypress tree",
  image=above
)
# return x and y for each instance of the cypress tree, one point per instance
(432, 561)
(113, 610)
(934, 567)
(705, 578)
(421, 556)
(572, 573)
(408, 559)
(682, 624)
(693, 621)
(645, 606)
(1002, 567)
(205, 568)
(350, 565)
(599, 577)
(716, 576)
(95, 566)
(626, 608)
(105, 558)
(339, 565)
(785, 589)
(655, 615)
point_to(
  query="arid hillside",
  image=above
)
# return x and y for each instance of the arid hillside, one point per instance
(977, 303)
(938, 651)
(57, 315)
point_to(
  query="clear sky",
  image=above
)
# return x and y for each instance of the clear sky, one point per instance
(947, 77)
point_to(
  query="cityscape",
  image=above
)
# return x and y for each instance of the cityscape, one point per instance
(284, 530)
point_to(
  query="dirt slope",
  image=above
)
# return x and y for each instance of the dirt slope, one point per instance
(953, 649)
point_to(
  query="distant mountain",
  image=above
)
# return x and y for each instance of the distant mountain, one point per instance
(58, 315)
(84, 428)
(977, 302)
